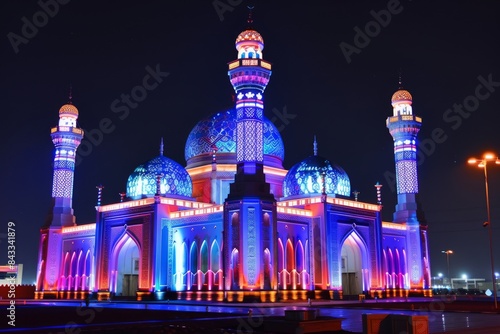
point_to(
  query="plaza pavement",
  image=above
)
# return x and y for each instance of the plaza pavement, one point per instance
(444, 315)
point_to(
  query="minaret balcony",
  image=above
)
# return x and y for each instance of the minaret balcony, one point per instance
(399, 118)
(66, 129)
(255, 62)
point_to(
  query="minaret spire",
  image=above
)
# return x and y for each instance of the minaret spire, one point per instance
(250, 18)
(70, 95)
(400, 81)
(161, 146)
(315, 146)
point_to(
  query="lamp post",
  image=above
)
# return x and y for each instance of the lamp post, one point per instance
(483, 163)
(448, 252)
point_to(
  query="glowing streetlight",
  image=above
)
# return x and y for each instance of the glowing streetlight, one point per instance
(448, 252)
(483, 163)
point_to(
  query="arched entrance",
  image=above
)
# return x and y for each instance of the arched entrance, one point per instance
(127, 267)
(353, 265)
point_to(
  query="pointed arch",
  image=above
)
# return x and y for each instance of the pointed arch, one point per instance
(235, 269)
(302, 276)
(215, 267)
(180, 265)
(203, 267)
(204, 256)
(86, 270)
(290, 265)
(405, 271)
(392, 271)
(281, 265)
(66, 271)
(72, 271)
(193, 265)
(125, 264)
(355, 264)
(267, 269)
(299, 256)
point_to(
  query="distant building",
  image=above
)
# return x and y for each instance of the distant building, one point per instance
(11, 274)
(234, 222)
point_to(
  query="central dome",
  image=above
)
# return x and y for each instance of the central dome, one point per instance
(306, 178)
(174, 179)
(219, 132)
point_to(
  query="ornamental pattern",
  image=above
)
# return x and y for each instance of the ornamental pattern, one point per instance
(305, 178)
(249, 138)
(64, 164)
(406, 171)
(219, 132)
(174, 180)
(62, 185)
(406, 155)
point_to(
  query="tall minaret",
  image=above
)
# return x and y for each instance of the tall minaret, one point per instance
(404, 126)
(250, 208)
(249, 75)
(66, 138)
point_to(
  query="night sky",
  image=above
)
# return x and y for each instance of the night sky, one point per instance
(329, 79)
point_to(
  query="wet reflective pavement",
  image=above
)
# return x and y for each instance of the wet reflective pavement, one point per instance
(351, 312)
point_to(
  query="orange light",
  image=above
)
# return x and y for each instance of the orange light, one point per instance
(489, 156)
(481, 164)
(472, 161)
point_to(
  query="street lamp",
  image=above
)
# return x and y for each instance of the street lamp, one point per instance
(483, 163)
(448, 252)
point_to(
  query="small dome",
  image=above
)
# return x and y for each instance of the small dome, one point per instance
(249, 36)
(219, 131)
(401, 96)
(68, 109)
(305, 178)
(175, 180)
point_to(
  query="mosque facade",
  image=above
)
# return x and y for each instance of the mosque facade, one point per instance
(233, 223)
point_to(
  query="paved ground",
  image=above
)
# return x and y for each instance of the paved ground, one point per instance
(444, 316)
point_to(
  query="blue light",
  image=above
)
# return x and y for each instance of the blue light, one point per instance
(305, 178)
(220, 130)
(175, 180)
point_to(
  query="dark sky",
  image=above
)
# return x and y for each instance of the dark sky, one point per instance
(444, 49)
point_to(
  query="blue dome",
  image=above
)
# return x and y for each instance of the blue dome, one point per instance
(219, 130)
(175, 180)
(305, 178)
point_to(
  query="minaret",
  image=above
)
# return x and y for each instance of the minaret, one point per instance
(404, 126)
(249, 75)
(250, 207)
(66, 138)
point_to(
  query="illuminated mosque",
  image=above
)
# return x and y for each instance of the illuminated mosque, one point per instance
(234, 224)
